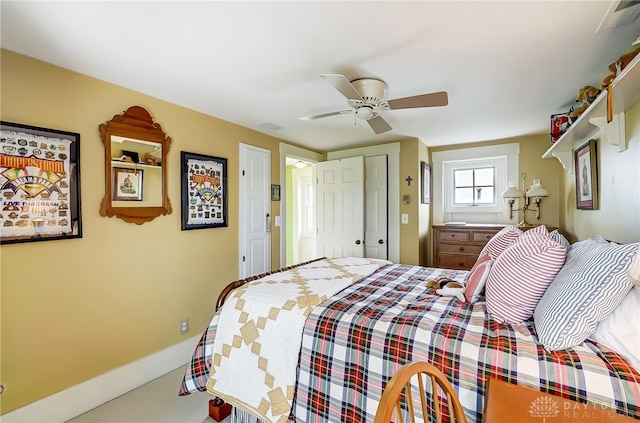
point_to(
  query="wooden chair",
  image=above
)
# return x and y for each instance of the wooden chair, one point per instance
(401, 383)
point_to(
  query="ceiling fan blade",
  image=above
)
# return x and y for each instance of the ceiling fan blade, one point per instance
(379, 125)
(424, 100)
(342, 84)
(324, 115)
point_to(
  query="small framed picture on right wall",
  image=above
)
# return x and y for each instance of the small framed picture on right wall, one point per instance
(586, 171)
(426, 183)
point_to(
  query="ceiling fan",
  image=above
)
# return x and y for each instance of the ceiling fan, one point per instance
(366, 98)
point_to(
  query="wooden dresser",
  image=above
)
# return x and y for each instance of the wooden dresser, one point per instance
(458, 246)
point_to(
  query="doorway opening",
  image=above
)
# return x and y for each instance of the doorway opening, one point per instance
(300, 211)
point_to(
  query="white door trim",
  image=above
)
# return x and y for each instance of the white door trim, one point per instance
(300, 153)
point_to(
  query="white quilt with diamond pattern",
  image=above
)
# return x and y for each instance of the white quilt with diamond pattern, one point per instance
(256, 347)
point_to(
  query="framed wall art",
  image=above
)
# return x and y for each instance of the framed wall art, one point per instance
(39, 184)
(275, 192)
(586, 172)
(127, 184)
(426, 183)
(204, 191)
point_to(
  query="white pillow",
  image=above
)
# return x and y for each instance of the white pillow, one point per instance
(590, 285)
(621, 330)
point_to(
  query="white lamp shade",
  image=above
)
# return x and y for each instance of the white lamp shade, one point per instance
(536, 190)
(511, 192)
(634, 271)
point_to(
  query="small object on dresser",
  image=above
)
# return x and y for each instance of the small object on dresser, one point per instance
(218, 409)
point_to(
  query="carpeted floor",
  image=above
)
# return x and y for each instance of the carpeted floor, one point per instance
(155, 402)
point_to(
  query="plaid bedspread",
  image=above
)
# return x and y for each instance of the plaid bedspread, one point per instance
(353, 343)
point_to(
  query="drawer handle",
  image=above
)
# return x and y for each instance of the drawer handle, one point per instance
(461, 264)
(488, 236)
(453, 235)
(461, 248)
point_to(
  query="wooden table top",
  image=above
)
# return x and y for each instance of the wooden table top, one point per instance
(506, 402)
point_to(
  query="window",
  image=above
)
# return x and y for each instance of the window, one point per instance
(474, 186)
(467, 182)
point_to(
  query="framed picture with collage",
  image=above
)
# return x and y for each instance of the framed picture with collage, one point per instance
(203, 191)
(39, 184)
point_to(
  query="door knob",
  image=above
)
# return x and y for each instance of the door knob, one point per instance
(381, 241)
(357, 242)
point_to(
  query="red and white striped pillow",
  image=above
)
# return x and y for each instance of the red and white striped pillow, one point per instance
(477, 278)
(501, 241)
(521, 274)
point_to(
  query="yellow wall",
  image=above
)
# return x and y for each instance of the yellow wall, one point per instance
(424, 211)
(549, 171)
(409, 166)
(75, 309)
(618, 215)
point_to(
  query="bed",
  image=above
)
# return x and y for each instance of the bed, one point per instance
(351, 343)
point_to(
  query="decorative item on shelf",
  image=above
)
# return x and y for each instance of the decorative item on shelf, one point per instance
(130, 156)
(559, 125)
(150, 160)
(535, 192)
(586, 96)
(621, 62)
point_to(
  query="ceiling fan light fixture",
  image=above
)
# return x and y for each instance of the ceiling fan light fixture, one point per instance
(364, 112)
(300, 164)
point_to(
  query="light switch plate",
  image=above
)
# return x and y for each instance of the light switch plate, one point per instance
(405, 219)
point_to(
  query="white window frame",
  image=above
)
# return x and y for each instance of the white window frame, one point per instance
(500, 166)
(505, 159)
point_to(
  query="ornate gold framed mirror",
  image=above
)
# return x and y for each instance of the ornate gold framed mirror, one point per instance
(135, 167)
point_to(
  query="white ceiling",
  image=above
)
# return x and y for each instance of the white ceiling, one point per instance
(507, 66)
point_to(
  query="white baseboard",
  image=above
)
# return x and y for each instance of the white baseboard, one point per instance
(81, 398)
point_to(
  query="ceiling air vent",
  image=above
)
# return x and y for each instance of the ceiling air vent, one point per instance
(621, 12)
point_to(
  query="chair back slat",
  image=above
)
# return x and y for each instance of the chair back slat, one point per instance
(397, 396)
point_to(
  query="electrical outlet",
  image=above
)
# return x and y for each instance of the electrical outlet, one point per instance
(184, 326)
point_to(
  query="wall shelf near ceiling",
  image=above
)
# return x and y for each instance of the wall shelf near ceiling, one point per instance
(593, 122)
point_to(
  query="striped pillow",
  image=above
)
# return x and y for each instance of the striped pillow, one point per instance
(521, 274)
(560, 239)
(500, 241)
(477, 279)
(586, 290)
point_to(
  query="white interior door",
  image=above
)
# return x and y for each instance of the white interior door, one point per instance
(376, 211)
(255, 219)
(304, 215)
(341, 207)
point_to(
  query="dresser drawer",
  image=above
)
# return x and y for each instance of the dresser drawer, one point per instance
(477, 236)
(460, 249)
(455, 261)
(453, 236)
